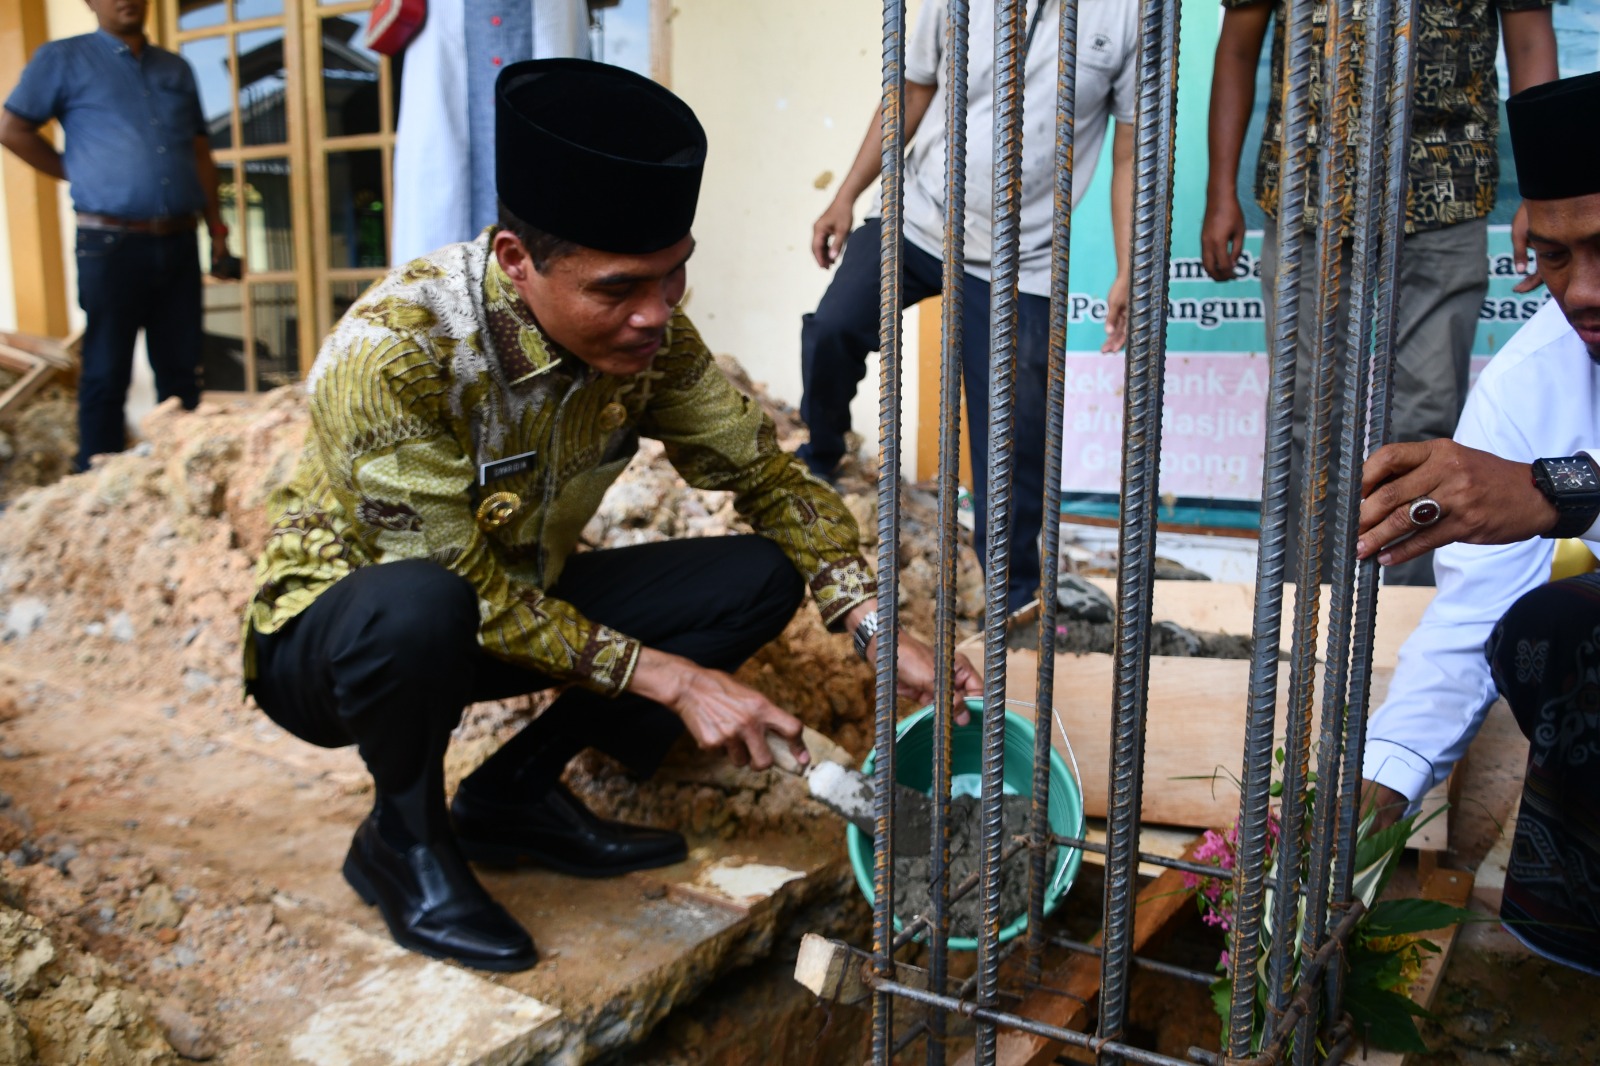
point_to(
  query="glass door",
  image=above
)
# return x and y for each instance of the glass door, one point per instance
(351, 101)
(301, 122)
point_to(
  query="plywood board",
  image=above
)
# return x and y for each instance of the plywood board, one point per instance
(1196, 710)
(1194, 737)
(1229, 607)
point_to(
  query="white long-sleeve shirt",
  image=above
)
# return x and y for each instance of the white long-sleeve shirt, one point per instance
(1538, 398)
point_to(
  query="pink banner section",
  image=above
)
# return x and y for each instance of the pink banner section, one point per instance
(1213, 423)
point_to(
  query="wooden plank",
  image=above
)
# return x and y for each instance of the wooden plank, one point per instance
(26, 386)
(832, 971)
(1196, 711)
(1229, 607)
(1075, 984)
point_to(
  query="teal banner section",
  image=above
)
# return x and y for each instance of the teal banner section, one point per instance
(1216, 384)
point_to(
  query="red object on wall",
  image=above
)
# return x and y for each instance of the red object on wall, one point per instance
(392, 24)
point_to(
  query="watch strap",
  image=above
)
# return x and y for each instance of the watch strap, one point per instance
(865, 630)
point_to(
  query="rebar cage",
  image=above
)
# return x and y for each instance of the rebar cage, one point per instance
(1367, 70)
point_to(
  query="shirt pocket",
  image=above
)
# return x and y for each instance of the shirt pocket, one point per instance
(172, 106)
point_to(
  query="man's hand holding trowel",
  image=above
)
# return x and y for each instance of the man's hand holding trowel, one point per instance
(719, 712)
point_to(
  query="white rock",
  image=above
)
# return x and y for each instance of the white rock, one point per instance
(25, 615)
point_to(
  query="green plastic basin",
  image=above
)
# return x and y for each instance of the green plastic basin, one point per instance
(914, 768)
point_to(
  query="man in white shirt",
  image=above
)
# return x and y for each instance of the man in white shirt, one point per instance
(836, 340)
(444, 189)
(1520, 473)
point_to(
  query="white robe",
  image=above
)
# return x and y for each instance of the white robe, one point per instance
(434, 155)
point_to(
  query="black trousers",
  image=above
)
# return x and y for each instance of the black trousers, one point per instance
(836, 339)
(128, 282)
(1545, 656)
(388, 658)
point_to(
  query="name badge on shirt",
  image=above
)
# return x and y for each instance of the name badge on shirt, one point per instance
(489, 473)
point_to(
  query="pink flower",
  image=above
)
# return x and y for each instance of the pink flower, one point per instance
(1226, 962)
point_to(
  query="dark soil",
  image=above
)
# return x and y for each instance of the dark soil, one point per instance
(1167, 638)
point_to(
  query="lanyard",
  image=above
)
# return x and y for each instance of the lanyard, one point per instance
(1033, 24)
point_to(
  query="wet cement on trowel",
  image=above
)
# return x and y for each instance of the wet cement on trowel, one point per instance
(911, 892)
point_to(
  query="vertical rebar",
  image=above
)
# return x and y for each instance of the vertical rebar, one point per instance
(1337, 741)
(1155, 141)
(1055, 407)
(1261, 713)
(1402, 61)
(889, 285)
(957, 34)
(1332, 122)
(1007, 187)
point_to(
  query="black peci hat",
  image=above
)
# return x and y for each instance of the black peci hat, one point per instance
(596, 155)
(1552, 138)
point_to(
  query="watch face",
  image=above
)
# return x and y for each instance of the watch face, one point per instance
(1572, 475)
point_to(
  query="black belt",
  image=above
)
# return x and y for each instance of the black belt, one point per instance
(156, 227)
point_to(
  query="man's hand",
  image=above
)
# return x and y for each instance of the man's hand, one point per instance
(830, 231)
(1385, 803)
(1116, 315)
(717, 711)
(1222, 235)
(224, 266)
(1519, 252)
(915, 664)
(1484, 499)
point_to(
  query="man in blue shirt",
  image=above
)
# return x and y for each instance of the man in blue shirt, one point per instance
(140, 165)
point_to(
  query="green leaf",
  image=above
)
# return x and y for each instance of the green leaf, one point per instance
(1384, 1018)
(1278, 756)
(1222, 998)
(1381, 844)
(1374, 970)
(1392, 917)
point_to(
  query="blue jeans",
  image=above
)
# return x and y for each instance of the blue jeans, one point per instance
(836, 339)
(128, 282)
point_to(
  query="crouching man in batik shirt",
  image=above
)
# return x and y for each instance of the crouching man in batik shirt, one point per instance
(467, 415)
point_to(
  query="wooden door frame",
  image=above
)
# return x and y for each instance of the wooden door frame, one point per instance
(33, 217)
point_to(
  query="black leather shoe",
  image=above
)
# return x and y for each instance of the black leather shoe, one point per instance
(434, 905)
(559, 832)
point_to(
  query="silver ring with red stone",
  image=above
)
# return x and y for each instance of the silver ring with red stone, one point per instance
(1424, 511)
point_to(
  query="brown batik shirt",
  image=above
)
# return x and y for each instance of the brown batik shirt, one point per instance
(1453, 167)
(437, 376)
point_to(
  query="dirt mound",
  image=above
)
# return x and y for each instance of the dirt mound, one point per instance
(61, 1005)
(37, 442)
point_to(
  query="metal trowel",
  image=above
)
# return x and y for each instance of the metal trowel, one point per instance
(852, 795)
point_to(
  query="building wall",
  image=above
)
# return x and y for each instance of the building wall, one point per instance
(785, 92)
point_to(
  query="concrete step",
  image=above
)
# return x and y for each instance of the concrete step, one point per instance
(243, 820)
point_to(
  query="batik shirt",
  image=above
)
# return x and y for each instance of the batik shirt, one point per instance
(1453, 167)
(438, 379)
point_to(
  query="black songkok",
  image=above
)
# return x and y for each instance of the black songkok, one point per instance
(596, 155)
(1553, 138)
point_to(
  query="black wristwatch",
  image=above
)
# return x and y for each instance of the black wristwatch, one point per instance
(1572, 484)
